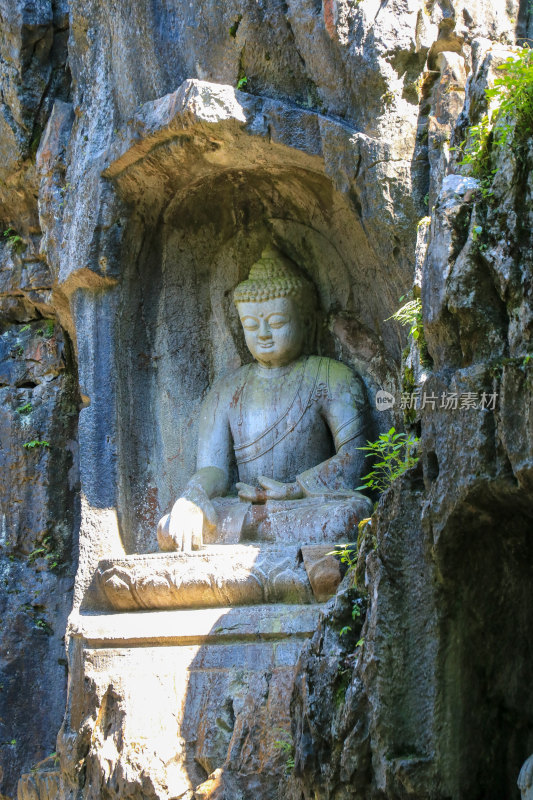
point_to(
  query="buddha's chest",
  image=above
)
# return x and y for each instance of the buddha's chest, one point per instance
(277, 425)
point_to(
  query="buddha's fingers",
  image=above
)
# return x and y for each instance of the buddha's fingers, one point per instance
(270, 483)
(276, 490)
(250, 493)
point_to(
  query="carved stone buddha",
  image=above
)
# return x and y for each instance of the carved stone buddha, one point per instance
(250, 561)
(290, 423)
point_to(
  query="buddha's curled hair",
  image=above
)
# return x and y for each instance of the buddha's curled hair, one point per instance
(275, 275)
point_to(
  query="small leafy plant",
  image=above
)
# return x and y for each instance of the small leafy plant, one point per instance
(508, 123)
(14, 239)
(395, 453)
(513, 92)
(36, 553)
(476, 154)
(38, 622)
(43, 625)
(27, 408)
(410, 314)
(45, 550)
(286, 746)
(356, 614)
(35, 443)
(347, 553)
(49, 327)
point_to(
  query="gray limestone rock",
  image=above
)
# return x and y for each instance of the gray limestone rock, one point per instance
(133, 198)
(38, 518)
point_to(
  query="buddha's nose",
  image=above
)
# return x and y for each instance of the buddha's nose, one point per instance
(264, 330)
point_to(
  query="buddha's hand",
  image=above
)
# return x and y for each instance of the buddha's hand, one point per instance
(271, 490)
(182, 529)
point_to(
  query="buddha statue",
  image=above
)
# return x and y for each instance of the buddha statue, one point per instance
(289, 423)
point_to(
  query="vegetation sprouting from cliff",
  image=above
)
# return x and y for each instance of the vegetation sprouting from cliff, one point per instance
(507, 123)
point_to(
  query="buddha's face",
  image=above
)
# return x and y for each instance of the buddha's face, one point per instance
(273, 329)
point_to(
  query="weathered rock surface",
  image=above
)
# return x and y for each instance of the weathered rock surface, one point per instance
(440, 687)
(160, 700)
(140, 193)
(38, 454)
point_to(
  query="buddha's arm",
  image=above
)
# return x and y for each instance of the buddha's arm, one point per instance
(193, 511)
(344, 410)
(214, 446)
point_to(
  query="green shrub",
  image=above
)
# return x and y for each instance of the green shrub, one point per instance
(509, 123)
(410, 314)
(395, 454)
(513, 92)
(14, 240)
(285, 744)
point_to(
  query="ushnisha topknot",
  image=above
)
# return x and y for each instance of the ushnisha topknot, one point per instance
(274, 275)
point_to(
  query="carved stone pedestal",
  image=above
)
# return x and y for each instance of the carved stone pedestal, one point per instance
(159, 700)
(218, 575)
(170, 684)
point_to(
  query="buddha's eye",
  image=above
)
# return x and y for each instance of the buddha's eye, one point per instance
(277, 320)
(249, 324)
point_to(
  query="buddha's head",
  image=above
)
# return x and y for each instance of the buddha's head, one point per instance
(276, 306)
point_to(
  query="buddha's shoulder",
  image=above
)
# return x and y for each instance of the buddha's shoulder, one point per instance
(343, 383)
(332, 370)
(229, 382)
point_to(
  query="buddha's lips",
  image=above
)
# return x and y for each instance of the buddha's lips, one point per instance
(267, 345)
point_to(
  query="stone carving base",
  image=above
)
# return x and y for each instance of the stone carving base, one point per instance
(218, 575)
(159, 701)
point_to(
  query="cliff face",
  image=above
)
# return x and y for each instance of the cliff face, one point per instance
(39, 406)
(437, 703)
(129, 212)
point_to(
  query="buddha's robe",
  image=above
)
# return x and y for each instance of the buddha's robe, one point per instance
(300, 423)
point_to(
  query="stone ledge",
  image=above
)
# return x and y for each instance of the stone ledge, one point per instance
(196, 627)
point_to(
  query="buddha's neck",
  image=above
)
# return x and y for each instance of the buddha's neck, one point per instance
(275, 372)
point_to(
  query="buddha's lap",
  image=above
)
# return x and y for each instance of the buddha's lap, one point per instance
(306, 521)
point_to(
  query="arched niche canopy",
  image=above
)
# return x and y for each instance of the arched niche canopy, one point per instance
(211, 176)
